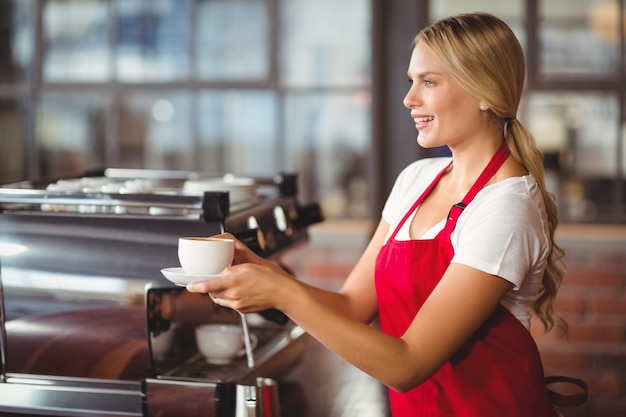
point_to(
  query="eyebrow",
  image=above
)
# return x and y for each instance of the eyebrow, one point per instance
(423, 74)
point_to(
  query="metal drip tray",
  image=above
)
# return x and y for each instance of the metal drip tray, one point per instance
(173, 314)
(274, 348)
(180, 372)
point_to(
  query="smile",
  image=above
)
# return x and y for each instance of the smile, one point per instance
(422, 121)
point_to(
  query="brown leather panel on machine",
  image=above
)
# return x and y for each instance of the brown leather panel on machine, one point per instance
(101, 343)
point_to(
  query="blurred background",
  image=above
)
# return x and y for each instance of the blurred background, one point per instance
(255, 87)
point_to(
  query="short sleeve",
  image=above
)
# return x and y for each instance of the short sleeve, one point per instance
(504, 232)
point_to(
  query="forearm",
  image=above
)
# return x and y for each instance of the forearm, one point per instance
(338, 302)
(386, 358)
(357, 297)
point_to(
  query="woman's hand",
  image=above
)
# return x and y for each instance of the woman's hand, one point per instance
(246, 287)
(251, 284)
(244, 255)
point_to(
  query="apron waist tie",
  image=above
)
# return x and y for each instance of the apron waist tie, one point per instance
(567, 400)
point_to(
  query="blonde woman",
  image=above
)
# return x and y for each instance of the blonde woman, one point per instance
(463, 253)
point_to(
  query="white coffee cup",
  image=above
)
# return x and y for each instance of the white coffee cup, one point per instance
(162, 342)
(205, 255)
(220, 343)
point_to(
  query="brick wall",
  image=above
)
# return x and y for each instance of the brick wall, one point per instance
(592, 299)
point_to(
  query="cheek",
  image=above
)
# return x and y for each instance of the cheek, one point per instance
(455, 107)
(442, 102)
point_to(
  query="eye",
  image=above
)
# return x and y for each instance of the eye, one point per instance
(428, 84)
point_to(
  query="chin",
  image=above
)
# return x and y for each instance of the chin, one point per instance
(424, 143)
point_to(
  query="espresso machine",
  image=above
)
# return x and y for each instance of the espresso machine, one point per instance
(87, 325)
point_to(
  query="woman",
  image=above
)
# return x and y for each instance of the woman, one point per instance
(464, 250)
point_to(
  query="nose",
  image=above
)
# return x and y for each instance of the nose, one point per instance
(411, 99)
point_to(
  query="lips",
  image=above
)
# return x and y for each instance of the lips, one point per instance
(422, 121)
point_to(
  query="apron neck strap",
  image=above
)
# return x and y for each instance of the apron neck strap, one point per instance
(492, 167)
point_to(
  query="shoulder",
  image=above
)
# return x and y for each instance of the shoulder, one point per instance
(519, 197)
(506, 228)
(515, 205)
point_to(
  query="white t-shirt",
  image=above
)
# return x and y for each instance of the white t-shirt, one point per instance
(503, 231)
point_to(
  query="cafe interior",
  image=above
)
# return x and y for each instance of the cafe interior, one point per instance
(297, 106)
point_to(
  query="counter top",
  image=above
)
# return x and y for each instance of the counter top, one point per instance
(318, 383)
(324, 384)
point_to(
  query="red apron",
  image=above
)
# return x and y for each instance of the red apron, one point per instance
(498, 372)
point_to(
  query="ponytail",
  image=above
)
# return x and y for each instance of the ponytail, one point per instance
(523, 148)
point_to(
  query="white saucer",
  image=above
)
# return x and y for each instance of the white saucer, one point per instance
(180, 277)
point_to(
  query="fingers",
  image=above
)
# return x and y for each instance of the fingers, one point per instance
(243, 254)
(211, 286)
(219, 297)
(245, 287)
(226, 286)
(226, 302)
(202, 287)
(215, 299)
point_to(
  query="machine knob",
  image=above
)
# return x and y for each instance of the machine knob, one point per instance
(253, 239)
(308, 215)
(280, 218)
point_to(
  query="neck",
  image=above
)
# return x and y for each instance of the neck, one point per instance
(468, 162)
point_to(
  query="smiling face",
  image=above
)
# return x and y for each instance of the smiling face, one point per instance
(443, 111)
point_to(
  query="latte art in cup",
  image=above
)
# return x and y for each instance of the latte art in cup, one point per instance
(205, 255)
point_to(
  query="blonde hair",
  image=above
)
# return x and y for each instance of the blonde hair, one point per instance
(484, 55)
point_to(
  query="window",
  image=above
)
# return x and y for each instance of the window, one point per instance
(576, 102)
(250, 87)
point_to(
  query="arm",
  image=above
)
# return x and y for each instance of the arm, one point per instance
(356, 299)
(436, 333)
(339, 320)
